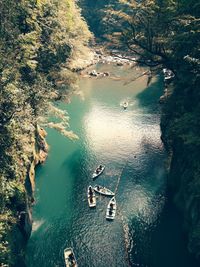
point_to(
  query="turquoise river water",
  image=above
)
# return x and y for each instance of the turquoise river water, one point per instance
(147, 229)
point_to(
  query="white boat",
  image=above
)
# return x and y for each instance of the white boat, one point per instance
(103, 190)
(125, 105)
(91, 197)
(168, 74)
(70, 260)
(98, 171)
(111, 209)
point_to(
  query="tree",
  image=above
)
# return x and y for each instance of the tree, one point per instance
(37, 39)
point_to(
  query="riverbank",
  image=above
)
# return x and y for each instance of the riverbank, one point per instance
(94, 54)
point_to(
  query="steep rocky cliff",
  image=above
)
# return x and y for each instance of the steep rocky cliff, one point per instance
(16, 220)
(180, 132)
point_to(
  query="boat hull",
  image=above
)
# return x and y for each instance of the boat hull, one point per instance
(103, 191)
(95, 174)
(125, 105)
(70, 260)
(91, 198)
(111, 212)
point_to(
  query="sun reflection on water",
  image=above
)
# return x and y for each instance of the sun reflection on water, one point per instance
(118, 131)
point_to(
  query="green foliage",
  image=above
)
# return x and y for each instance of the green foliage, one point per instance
(95, 11)
(37, 38)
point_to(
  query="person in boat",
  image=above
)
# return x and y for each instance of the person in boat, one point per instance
(90, 191)
(100, 167)
(91, 199)
(98, 187)
(71, 258)
(110, 212)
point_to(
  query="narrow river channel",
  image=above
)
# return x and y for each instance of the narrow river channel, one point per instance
(146, 231)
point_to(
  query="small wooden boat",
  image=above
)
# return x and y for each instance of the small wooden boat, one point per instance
(103, 190)
(168, 74)
(125, 105)
(111, 209)
(98, 171)
(70, 260)
(91, 197)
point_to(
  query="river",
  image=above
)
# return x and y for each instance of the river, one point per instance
(147, 229)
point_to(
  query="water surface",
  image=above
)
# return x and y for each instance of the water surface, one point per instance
(146, 231)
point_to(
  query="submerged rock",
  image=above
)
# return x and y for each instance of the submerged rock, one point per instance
(93, 73)
(162, 99)
(120, 63)
(106, 74)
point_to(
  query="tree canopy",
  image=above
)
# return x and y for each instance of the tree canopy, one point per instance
(37, 39)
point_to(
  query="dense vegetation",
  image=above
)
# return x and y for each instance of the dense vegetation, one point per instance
(93, 11)
(38, 40)
(166, 33)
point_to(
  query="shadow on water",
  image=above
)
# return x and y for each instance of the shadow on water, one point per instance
(77, 167)
(150, 96)
(169, 239)
(166, 240)
(47, 243)
(163, 243)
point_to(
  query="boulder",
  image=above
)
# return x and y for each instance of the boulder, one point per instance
(93, 73)
(119, 63)
(106, 74)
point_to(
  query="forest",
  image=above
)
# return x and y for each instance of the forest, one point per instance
(41, 42)
(37, 40)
